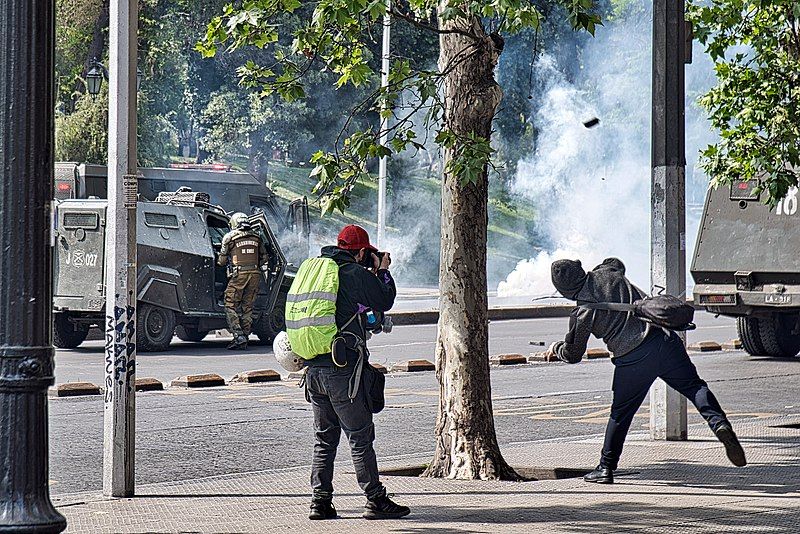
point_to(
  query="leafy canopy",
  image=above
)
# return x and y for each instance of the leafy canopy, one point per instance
(337, 37)
(755, 105)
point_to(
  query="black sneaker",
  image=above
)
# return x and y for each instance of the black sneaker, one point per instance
(733, 448)
(384, 508)
(322, 510)
(600, 475)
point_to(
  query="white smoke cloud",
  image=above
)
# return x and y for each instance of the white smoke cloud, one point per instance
(592, 186)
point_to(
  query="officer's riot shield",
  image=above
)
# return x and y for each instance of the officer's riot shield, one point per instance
(276, 267)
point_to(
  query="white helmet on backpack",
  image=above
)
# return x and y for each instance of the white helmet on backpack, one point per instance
(283, 353)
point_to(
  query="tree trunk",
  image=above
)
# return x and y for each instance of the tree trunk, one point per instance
(466, 444)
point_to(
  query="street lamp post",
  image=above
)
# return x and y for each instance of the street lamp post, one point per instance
(27, 124)
(384, 127)
(668, 193)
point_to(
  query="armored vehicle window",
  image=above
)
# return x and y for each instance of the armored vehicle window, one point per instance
(80, 220)
(217, 228)
(275, 219)
(160, 220)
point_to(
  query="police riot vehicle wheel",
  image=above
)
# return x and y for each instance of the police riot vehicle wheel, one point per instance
(770, 336)
(270, 324)
(777, 335)
(155, 328)
(190, 333)
(748, 333)
(66, 334)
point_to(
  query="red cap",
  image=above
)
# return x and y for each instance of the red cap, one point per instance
(353, 237)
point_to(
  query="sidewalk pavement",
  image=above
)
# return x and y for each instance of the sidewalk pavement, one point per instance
(670, 487)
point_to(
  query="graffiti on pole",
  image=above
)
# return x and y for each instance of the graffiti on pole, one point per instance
(120, 348)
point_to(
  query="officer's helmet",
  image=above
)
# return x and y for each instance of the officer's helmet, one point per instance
(237, 219)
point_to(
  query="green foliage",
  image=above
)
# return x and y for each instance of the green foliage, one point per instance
(337, 34)
(755, 105)
(82, 136)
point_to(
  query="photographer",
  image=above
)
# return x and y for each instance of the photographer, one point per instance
(339, 402)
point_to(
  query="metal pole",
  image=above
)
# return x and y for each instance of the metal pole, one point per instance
(27, 29)
(120, 269)
(384, 136)
(668, 194)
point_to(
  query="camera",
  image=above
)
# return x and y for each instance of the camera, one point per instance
(367, 262)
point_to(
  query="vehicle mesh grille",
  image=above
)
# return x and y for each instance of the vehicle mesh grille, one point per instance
(160, 220)
(80, 220)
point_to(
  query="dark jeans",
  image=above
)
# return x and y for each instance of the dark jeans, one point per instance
(327, 389)
(660, 356)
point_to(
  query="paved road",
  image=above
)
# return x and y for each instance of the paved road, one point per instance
(187, 434)
(405, 342)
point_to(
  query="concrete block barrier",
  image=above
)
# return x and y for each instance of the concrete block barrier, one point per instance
(733, 344)
(380, 368)
(595, 354)
(413, 366)
(257, 376)
(198, 381)
(508, 359)
(705, 346)
(542, 356)
(149, 384)
(74, 389)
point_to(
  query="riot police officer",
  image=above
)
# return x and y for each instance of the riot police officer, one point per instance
(244, 252)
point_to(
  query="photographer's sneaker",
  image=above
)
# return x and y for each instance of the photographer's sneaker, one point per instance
(733, 448)
(384, 508)
(322, 510)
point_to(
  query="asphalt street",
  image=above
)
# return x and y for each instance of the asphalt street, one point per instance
(85, 364)
(188, 434)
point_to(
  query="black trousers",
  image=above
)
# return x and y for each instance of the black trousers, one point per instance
(660, 356)
(334, 412)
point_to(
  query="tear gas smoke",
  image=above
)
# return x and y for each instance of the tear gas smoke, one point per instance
(591, 185)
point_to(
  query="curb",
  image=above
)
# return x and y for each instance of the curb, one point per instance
(149, 384)
(73, 389)
(257, 376)
(198, 381)
(406, 318)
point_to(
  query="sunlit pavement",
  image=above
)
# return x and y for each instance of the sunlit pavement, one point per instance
(662, 487)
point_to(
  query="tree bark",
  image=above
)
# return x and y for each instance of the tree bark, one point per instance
(466, 443)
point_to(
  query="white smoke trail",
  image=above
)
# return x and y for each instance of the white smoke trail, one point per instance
(592, 186)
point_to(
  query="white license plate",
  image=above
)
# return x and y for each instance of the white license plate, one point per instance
(778, 299)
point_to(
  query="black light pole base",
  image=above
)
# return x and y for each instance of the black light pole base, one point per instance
(27, 33)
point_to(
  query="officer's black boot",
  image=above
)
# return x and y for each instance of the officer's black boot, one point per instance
(733, 448)
(322, 510)
(384, 508)
(600, 475)
(239, 342)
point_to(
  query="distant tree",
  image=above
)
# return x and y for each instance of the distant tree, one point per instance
(755, 45)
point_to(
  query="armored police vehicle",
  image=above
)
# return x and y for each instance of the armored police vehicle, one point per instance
(180, 287)
(233, 191)
(746, 266)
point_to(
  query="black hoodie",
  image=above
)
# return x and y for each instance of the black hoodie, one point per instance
(357, 286)
(622, 332)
